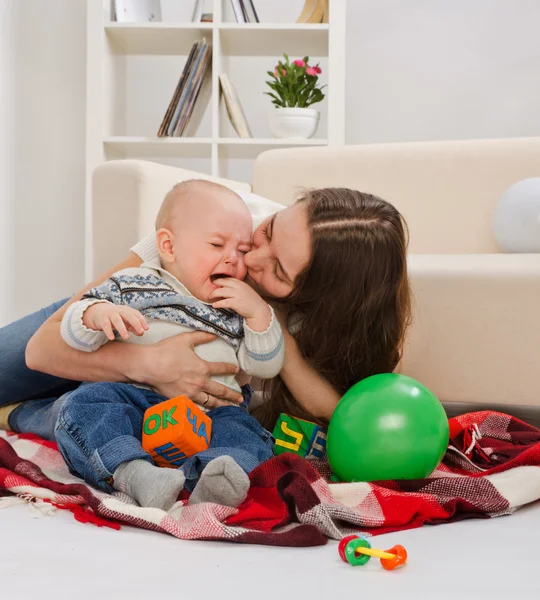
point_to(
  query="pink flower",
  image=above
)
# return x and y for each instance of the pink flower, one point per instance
(299, 63)
(311, 71)
(276, 75)
(317, 70)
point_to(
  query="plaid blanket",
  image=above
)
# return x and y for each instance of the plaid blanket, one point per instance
(491, 468)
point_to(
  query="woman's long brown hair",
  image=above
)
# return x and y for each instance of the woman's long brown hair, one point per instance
(353, 298)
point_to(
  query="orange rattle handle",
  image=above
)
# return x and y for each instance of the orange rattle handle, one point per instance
(400, 558)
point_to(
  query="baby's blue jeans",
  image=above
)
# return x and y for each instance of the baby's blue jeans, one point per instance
(100, 426)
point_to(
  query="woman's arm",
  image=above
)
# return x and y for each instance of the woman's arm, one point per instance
(171, 366)
(311, 390)
(47, 352)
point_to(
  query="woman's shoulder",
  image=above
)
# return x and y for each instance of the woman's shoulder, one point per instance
(146, 249)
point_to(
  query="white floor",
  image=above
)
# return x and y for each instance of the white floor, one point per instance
(57, 557)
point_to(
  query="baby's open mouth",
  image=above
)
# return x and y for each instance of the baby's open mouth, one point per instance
(218, 276)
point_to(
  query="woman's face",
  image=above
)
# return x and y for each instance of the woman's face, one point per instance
(281, 250)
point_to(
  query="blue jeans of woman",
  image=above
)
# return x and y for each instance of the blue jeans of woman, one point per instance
(18, 382)
(100, 427)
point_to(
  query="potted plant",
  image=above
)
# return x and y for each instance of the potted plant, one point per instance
(294, 88)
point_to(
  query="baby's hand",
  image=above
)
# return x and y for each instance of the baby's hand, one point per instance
(107, 317)
(238, 296)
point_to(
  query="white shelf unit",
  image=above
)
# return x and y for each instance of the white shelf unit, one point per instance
(125, 105)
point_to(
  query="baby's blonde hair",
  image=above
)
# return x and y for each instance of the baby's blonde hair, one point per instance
(181, 191)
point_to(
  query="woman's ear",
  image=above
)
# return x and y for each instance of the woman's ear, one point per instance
(165, 245)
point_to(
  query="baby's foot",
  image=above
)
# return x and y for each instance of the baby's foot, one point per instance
(149, 485)
(222, 481)
(5, 411)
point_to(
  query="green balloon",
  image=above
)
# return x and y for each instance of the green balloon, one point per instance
(387, 426)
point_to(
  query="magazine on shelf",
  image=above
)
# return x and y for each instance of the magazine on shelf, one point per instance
(314, 11)
(188, 83)
(194, 73)
(238, 12)
(244, 11)
(199, 97)
(177, 92)
(252, 16)
(234, 107)
(198, 11)
(202, 12)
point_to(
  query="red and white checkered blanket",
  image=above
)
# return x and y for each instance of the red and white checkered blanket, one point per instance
(492, 468)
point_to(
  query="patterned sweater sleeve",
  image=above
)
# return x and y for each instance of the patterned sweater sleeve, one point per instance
(261, 353)
(73, 330)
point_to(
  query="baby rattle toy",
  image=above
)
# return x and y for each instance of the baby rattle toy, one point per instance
(357, 551)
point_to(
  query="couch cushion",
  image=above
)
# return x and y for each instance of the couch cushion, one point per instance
(447, 191)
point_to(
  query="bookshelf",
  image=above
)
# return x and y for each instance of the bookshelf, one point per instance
(133, 68)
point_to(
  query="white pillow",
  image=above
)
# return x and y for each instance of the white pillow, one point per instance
(259, 207)
(516, 222)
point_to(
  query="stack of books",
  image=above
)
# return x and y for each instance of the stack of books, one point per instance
(191, 95)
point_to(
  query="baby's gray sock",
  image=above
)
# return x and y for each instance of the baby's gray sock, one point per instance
(149, 485)
(222, 481)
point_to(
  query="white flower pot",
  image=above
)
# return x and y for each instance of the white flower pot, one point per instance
(290, 123)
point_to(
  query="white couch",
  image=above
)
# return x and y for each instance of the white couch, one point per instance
(476, 331)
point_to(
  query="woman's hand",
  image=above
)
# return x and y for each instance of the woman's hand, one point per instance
(173, 369)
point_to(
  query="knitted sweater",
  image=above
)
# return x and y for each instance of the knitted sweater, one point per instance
(169, 309)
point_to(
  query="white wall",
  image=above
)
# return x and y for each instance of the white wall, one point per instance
(6, 158)
(43, 154)
(442, 69)
(417, 70)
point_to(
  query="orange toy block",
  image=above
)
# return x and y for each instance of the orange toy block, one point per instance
(174, 430)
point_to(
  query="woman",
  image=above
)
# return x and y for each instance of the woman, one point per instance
(335, 265)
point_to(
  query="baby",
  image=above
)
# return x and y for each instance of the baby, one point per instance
(203, 232)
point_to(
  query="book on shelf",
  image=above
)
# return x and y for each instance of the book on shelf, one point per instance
(199, 13)
(253, 17)
(234, 107)
(244, 11)
(136, 11)
(192, 91)
(314, 11)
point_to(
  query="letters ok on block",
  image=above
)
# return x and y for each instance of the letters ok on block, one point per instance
(174, 430)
